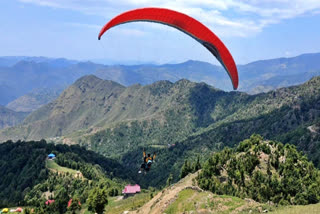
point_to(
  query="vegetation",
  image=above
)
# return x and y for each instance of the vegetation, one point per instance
(190, 168)
(22, 166)
(264, 171)
(118, 122)
(309, 209)
(97, 200)
(116, 205)
(57, 168)
(191, 200)
(30, 179)
(194, 119)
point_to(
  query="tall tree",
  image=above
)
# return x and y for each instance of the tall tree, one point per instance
(97, 200)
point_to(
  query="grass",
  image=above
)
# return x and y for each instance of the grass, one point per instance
(131, 203)
(226, 204)
(299, 209)
(116, 206)
(182, 204)
(192, 201)
(51, 164)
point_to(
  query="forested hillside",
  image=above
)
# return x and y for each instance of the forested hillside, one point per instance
(293, 120)
(264, 171)
(31, 179)
(119, 122)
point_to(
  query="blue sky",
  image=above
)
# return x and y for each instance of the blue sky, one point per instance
(251, 29)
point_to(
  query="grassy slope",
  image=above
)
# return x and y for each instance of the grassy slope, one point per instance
(118, 206)
(203, 202)
(186, 197)
(52, 165)
(309, 209)
(190, 200)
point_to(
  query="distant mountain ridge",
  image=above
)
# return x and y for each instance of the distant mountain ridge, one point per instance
(281, 72)
(34, 100)
(10, 118)
(26, 76)
(8, 61)
(91, 102)
(21, 75)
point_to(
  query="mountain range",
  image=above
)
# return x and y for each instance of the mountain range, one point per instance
(22, 75)
(193, 118)
(9, 117)
(34, 99)
(189, 124)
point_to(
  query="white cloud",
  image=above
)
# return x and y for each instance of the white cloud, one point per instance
(228, 18)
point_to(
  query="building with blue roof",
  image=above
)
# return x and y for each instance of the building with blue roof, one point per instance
(51, 156)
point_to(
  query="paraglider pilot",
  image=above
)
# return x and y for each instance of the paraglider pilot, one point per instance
(147, 161)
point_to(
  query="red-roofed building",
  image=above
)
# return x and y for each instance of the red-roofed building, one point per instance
(70, 201)
(19, 210)
(131, 190)
(49, 202)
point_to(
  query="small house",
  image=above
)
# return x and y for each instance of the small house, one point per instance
(19, 210)
(51, 156)
(131, 190)
(49, 202)
(70, 202)
(5, 210)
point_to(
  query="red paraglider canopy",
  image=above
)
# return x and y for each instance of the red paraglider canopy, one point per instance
(187, 25)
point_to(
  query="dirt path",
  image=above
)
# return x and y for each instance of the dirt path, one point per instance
(163, 199)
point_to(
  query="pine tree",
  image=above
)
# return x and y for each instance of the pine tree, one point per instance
(169, 180)
(196, 165)
(186, 169)
(97, 200)
(75, 206)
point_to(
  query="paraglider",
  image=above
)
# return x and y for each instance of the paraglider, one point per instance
(147, 162)
(186, 24)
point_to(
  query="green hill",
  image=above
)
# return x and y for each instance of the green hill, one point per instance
(264, 171)
(186, 196)
(258, 169)
(28, 178)
(119, 121)
(93, 111)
